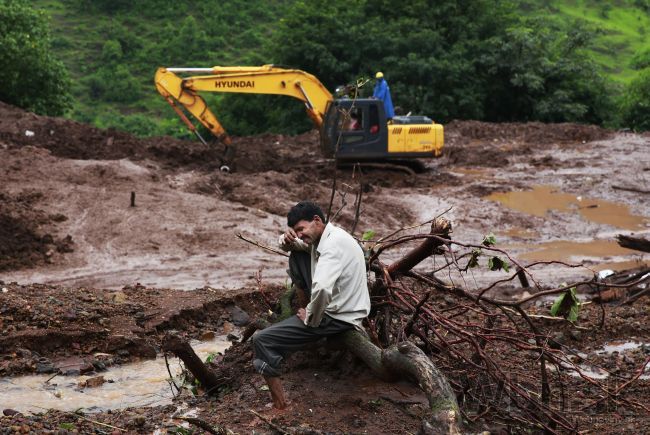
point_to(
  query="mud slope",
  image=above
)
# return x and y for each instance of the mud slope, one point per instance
(69, 186)
(113, 276)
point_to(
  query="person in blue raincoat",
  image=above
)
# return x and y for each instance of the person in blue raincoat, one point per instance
(382, 92)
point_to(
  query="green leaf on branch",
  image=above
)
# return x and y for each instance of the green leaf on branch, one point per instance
(368, 235)
(473, 261)
(567, 305)
(496, 263)
(67, 426)
(489, 240)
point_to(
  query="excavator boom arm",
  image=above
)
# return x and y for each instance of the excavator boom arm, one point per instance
(252, 80)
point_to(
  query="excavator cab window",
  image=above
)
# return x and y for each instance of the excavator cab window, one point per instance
(349, 125)
(365, 141)
(350, 119)
(374, 120)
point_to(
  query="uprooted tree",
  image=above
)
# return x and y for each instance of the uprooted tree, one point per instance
(474, 355)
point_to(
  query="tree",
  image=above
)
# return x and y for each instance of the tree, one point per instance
(537, 71)
(31, 77)
(460, 59)
(636, 102)
(428, 54)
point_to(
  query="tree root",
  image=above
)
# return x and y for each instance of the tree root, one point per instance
(406, 361)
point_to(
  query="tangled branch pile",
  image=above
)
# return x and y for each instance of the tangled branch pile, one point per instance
(500, 358)
(476, 356)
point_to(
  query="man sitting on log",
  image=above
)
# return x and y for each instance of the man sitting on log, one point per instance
(330, 263)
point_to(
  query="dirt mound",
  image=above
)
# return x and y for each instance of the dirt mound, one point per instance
(484, 155)
(475, 143)
(276, 152)
(74, 140)
(268, 152)
(25, 240)
(530, 132)
(71, 139)
(56, 322)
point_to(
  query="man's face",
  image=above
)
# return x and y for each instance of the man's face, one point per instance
(309, 231)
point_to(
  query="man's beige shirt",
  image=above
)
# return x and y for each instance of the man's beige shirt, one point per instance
(339, 283)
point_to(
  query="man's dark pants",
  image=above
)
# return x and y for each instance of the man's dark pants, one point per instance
(274, 343)
(300, 270)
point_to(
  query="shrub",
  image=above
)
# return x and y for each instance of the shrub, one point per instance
(635, 108)
(31, 77)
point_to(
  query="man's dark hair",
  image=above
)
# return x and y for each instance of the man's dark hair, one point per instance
(304, 210)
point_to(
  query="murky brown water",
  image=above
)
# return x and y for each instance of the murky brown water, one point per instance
(476, 173)
(140, 384)
(566, 250)
(542, 199)
(518, 233)
(621, 347)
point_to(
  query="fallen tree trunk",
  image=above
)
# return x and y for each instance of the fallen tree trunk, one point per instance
(403, 360)
(636, 243)
(440, 227)
(193, 363)
(400, 361)
(406, 361)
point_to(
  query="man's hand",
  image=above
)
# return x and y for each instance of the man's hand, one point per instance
(289, 236)
(302, 314)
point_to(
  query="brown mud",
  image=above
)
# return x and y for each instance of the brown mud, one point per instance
(83, 273)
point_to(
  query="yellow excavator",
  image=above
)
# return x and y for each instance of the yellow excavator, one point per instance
(351, 129)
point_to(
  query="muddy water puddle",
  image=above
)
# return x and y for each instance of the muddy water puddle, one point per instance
(566, 250)
(543, 199)
(608, 350)
(472, 173)
(518, 233)
(621, 347)
(144, 383)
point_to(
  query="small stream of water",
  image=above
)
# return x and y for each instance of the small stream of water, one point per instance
(143, 383)
(608, 349)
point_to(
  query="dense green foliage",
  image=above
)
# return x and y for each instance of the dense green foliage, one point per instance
(494, 60)
(31, 77)
(460, 59)
(620, 30)
(636, 103)
(112, 49)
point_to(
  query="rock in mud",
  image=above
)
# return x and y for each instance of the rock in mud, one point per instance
(576, 335)
(45, 366)
(118, 297)
(73, 366)
(557, 341)
(239, 316)
(95, 382)
(207, 335)
(227, 327)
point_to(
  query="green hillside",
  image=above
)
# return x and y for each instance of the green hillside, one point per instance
(493, 60)
(621, 28)
(112, 49)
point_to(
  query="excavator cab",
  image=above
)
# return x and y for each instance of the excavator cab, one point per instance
(355, 130)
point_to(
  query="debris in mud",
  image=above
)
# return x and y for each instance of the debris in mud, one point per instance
(24, 240)
(49, 329)
(187, 215)
(531, 132)
(94, 382)
(631, 242)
